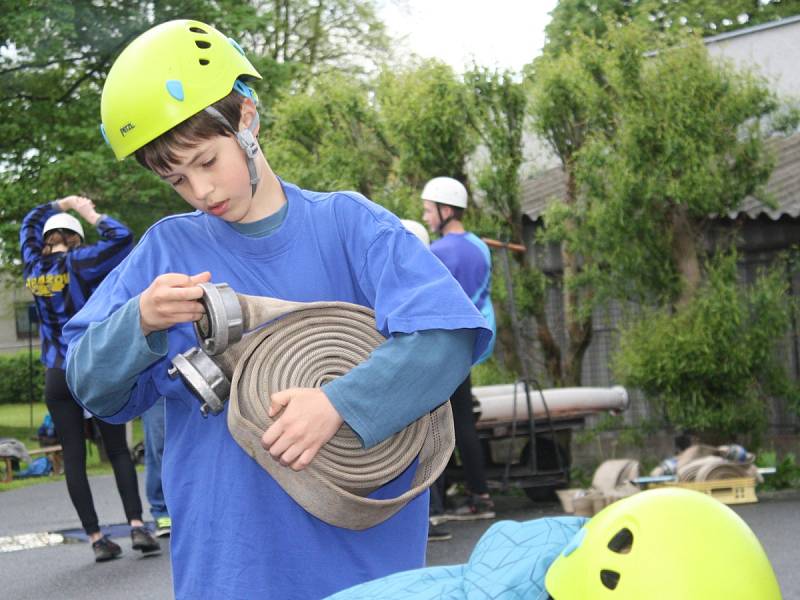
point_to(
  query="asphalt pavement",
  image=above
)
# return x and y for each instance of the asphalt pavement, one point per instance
(34, 570)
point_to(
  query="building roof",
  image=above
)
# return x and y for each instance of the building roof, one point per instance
(783, 187)
(752, 29)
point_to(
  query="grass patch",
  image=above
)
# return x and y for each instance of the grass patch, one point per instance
(15, 422)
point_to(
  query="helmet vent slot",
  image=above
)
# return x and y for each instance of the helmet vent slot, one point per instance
(196, 29)
(610, 579)
(204, 61)
(622, 542)
(202, 44)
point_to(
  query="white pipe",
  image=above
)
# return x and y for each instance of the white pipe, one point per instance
(497, 402)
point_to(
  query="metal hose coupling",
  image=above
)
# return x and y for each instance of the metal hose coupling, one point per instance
(223, 322)
(265, 345)
(208, 377)
(207, 368)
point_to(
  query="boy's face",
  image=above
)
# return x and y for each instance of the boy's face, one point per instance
(212, 177)
(431, 216)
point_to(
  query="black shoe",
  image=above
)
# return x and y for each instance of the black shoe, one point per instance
(142, 539)
(437, 534)
(105, 549)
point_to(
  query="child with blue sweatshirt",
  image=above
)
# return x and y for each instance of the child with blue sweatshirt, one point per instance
(177, 98)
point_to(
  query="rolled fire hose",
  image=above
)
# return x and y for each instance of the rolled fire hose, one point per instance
(713, 468)
(297, 344)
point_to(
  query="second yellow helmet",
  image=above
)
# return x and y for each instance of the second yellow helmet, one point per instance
(665, 544)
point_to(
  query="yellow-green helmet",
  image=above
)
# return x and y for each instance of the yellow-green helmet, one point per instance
(165, 76)
(664, 544)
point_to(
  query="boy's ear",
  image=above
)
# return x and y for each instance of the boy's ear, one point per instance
(248, 113)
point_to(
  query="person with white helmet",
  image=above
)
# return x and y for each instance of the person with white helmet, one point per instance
(178, 98)
(62, 273)
(418, 229)
(467, 257)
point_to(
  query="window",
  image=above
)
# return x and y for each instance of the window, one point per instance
(27, 320)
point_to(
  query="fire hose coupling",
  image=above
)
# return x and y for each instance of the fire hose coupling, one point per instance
(222, 324)
(204, 378)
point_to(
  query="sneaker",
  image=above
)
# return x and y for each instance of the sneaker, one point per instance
(163, 526)
(105, 549)
(475, 508)
(437, 534)
(142, 539)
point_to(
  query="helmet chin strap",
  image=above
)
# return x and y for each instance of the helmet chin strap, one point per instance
(442, 221)
(247, 141)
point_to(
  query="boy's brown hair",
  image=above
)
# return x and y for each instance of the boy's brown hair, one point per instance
(159, 155)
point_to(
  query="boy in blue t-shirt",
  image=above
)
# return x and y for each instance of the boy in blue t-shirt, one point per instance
(176, 98)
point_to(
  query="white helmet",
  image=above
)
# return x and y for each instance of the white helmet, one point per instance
(63, 221)
(445, 190)
(418, 229)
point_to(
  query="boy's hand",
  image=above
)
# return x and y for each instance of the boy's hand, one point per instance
(172, 298)
(307, 422)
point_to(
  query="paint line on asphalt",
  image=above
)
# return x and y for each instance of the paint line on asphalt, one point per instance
(28, 541)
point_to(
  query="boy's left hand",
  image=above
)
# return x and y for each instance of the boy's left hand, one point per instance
(307, 422)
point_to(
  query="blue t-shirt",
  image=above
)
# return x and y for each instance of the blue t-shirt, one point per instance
(236, 533)
(469, 260)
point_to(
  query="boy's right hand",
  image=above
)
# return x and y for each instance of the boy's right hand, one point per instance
(172, 298)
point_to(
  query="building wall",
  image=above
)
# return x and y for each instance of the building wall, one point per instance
(12, 295)
(771, 51)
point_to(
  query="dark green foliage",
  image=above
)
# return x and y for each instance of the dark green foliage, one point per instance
(498, 116)
(711, 364)
(423, 111)
(55, 60)
(787, 471)
(15, 378)
(573, 18)
(328, 138)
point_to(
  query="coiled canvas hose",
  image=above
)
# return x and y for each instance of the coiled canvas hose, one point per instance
(299, 344)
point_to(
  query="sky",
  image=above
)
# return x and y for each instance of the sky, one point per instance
(502, 34)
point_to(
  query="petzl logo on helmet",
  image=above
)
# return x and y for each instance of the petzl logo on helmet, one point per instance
(126, 128)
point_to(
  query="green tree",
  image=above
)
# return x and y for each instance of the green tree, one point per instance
(569, 103)
(498, 116)
(688, 142)
(328, 138)
(573, 18)
(56, 54)
(650, 146)
(711, 364)
(423, 110)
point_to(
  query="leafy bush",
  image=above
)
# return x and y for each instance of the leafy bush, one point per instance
(491, 372)
(15, 378)
(711, 363)
(787, 471)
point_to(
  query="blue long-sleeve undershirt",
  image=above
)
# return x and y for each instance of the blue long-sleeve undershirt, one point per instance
(404, 378)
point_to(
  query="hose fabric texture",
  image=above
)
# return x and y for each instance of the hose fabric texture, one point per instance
(295, 344)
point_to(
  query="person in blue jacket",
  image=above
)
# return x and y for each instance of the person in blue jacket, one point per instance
(62, 273)
(177, 98)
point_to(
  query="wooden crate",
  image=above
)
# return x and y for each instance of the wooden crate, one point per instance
(729, 491)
